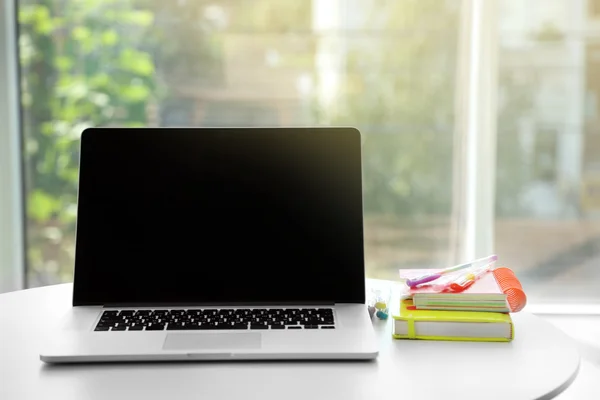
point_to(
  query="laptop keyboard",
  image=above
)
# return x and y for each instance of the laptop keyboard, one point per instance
(215, 319)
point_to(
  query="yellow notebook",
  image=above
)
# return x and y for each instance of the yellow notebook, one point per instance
(451, 325)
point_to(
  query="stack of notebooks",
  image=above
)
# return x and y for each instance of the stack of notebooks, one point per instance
(480, 313)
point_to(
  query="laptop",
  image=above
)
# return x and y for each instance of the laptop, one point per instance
(217, 244)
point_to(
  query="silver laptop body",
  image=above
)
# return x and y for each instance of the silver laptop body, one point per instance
(217, 244)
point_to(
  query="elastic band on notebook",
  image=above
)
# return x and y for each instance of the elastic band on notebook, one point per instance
(511, 287)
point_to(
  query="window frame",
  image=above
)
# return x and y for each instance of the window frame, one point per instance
(475, 132)
(12, 216)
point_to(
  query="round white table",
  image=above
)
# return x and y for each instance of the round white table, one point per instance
(539, 364)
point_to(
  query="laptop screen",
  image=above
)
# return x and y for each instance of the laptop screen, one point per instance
(219, 216)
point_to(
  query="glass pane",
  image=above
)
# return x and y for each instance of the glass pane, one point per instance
(548, 176)
(386, 67)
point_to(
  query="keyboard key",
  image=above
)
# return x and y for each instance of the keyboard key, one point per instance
(160, 312)
(119, 328)
(259, 327)
(294, 327)
(108, 322)
(110, 313)
(101, 328)
(328, 327)
(155, 327)
(127, 313)
(277, 326)
(136, 328)
(311, 326)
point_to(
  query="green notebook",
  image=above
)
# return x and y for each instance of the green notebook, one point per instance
(451, 325)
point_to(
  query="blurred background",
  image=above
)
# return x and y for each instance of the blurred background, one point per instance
(387, 67)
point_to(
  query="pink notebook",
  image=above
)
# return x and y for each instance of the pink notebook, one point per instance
(484, 295)
(485, 285)
(497, 291)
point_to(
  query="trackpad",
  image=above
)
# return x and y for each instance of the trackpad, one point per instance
(212, 341)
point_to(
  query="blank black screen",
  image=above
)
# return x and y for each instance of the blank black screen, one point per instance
(201, 216)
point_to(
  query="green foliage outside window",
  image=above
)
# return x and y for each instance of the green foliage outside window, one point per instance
(81, 66)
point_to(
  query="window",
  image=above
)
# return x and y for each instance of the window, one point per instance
(547, 170)
(385, 67)
(392, 68)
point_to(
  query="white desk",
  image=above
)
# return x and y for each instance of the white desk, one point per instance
(539, 364)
